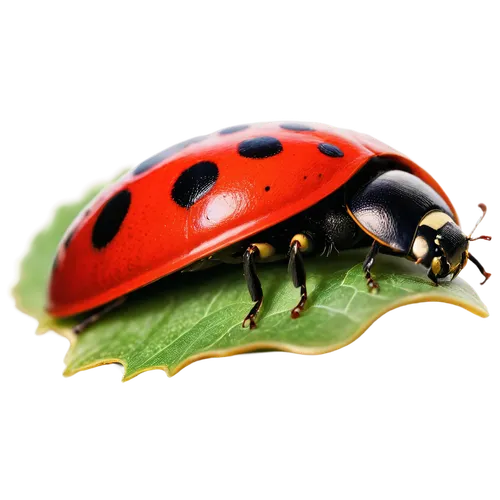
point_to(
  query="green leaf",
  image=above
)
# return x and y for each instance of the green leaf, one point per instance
(191, 316)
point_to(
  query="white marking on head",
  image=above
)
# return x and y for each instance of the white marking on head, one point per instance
(420, 247)
(435, 220)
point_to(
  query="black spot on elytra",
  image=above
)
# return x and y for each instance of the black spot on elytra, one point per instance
(267, 188)
(154, 160)
(297, 127)
(233, 129)
(194, 183)
(330, 150)
(193, 140)
(163, 155)
(110, 219)
(260, 147)
(68, 239)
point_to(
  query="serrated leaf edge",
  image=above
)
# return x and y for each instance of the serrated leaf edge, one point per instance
(67, 333)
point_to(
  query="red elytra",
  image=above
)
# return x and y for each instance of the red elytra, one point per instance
(159, 236)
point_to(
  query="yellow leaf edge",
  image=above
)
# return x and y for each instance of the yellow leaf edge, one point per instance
(45, 324)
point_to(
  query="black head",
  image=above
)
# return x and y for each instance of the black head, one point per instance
(442, 247)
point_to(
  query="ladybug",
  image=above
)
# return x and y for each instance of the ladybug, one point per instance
(256, 193)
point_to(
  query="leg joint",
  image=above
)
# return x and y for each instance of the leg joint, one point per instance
(303, 242)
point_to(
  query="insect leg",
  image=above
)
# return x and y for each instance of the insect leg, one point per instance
(300, 243)
(98, 315)
(252, 253)
(481, 269)
(367, 266)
